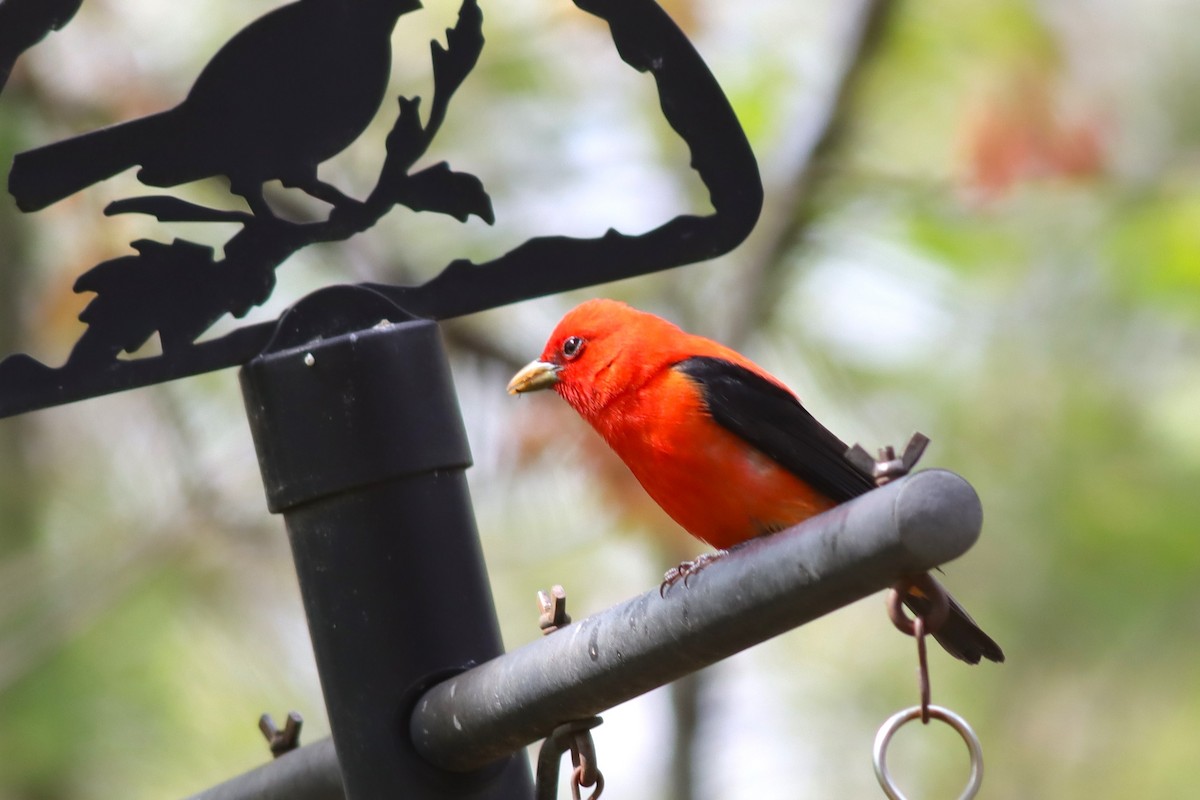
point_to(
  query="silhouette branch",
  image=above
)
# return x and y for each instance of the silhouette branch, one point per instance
(179, 290)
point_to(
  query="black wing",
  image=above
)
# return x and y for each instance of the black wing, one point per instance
(772, 419)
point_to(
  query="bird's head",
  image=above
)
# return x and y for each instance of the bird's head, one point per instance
(600, 349)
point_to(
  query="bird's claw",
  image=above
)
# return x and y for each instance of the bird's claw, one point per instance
(687, 569)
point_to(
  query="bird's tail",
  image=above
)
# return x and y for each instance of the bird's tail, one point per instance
(48, 174)
(959, 634)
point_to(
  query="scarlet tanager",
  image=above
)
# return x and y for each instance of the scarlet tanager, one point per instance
(722, 445)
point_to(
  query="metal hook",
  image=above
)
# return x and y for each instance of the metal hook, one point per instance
(896, 721)
(578, 780)
(936, 608)
(574, 737)
(922, 590)
(924, 587)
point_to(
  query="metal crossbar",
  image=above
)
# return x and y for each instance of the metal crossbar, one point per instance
(762, 589)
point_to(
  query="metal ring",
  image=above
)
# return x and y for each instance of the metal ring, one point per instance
(897, 720)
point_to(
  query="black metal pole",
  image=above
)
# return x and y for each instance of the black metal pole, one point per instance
(362, 450)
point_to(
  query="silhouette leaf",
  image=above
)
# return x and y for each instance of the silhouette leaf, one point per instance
(181, 275)
(444, 191)
(464, 43)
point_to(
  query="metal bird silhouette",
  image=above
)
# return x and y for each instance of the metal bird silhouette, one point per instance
(292, 89)
(279, 112)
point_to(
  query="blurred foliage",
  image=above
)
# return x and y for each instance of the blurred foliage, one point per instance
(997, 244)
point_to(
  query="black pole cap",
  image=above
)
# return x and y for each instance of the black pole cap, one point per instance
(314, 415)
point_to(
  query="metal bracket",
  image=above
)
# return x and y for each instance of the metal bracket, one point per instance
(282, 741)
(888, 467)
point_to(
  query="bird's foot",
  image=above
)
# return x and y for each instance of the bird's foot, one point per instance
(687, 569)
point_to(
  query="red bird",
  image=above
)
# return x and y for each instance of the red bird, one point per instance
(722, 445)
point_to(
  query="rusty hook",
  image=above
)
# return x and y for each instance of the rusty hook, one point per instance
(575, 737)
(926, 596)
(929, 621)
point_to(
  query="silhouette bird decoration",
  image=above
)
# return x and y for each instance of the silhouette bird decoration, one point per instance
(292, 89)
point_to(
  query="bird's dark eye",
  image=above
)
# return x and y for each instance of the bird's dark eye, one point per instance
(572, 347)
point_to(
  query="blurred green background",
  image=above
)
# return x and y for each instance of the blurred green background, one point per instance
(982, 222)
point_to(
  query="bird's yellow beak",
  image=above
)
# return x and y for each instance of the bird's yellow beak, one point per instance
(533, 376)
